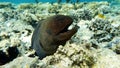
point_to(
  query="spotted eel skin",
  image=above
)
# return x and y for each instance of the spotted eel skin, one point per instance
(50, 33)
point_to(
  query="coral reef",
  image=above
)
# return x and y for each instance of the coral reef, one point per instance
(82, 14)
(6, 5)
(114, 45)
(95, 45)
(103, 30)
(18, 63)
(72, 56)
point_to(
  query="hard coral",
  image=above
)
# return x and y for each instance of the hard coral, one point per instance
(71, 56)
(103, 30)
(82, 14)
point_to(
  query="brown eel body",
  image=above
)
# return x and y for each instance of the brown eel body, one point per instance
(50, 33)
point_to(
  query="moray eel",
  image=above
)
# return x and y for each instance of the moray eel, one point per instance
(50, 33)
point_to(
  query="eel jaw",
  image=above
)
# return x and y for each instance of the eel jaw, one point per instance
(66, 34)
(65, 29)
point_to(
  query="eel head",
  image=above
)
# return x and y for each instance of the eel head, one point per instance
(58, 27)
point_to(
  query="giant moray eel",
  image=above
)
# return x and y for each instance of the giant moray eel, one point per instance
(50, 33)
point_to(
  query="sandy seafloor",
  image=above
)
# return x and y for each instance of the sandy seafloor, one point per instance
(95, 45)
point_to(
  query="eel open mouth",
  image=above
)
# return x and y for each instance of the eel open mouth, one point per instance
(65, 29)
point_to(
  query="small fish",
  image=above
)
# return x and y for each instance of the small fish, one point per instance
(101, 16)
(51, 33)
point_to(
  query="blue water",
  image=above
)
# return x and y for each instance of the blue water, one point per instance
(113, 2)
(33, 1)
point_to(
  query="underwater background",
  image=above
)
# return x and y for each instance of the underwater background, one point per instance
(112, 2)
(51, 1)
(96, 44)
